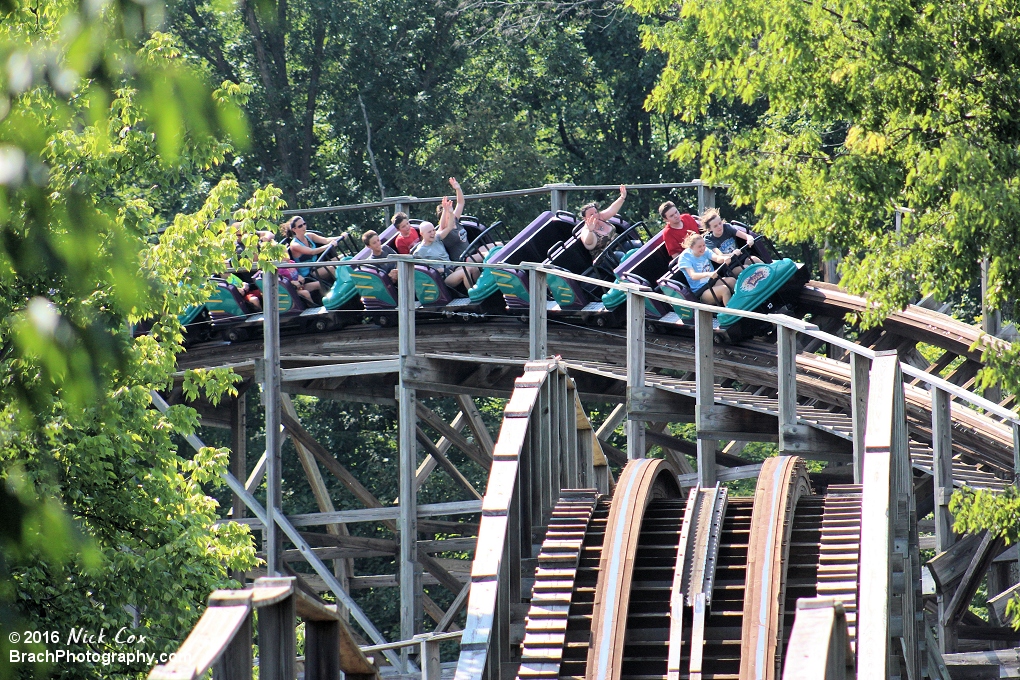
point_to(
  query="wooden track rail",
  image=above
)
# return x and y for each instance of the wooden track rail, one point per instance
(783, 481)
(641, 482)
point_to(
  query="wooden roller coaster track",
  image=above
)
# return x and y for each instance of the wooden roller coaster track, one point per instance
(662, 574)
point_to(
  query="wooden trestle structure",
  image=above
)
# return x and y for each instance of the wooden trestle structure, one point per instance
(660, 573)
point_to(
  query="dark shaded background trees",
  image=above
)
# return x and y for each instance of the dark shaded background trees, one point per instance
(443, 89)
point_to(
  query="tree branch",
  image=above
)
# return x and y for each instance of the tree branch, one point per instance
(318, 38)
(371, 156)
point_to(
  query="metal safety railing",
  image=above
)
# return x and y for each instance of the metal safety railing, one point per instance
(557, 197)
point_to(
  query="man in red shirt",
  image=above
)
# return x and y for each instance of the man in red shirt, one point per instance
(678, 226)
(407, 237)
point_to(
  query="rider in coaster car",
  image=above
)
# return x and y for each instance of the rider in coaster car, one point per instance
(597, 232)
(380, 252)
(432, 248)
(453, 236)
(721, 239)
(697, 264)
(304, 247)
(678, 227)
(408, 236)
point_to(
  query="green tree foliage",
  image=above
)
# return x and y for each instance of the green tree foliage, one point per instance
(105, 133)
(863, 108)
(501, 98)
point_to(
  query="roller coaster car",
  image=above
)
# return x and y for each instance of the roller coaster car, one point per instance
(435, 298)
(552, 239)
(642, 267)
(765, 288)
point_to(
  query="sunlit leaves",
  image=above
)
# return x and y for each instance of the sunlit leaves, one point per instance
(105, 134)
(868, 106)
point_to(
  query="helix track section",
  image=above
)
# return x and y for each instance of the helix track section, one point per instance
(671, 584)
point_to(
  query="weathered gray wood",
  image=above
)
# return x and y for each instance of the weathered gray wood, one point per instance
(971, 578)
(704, 371)
(271, 401)
(238, 448)
(877, 655)
(729, 422)
(947, 567)
(205, 644)
(340, 370)
(706, 197)
(430, 668)
(236, 662)
(819, 646)
(942, 448)
(1016, 452)
(429, 464)
(277, 641)
(329, 461)
(455, 607)
(786, 377)
(474, 416)
(341, 568)
(408, 566)
(538, 329)
(437, 423)
(257, 473)
(635, 369)
(263, 515)
(654, 404)
(440, 458)
(997, 604)
(322, 650)
(375, 514)
(613, 420)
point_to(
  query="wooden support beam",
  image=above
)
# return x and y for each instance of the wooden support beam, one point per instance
(476, 423)
(290, 375)
(635, 369)
(655, 435)
(445, 578)
(786, 377)
(238, 449)
(612, 421)
(446, 464)
(385, 515)
(948, 566)
(860, 376)
(407, 562)
(997, 604)
(538, 327)
(300, 435)
(986, 551)
(458, 603)
(444, 444)
(730, 422)
(654, 404)
(704, 355)
(271, 401)
(277, 639)
(942, 450)
(342, 569)
(436, 422)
